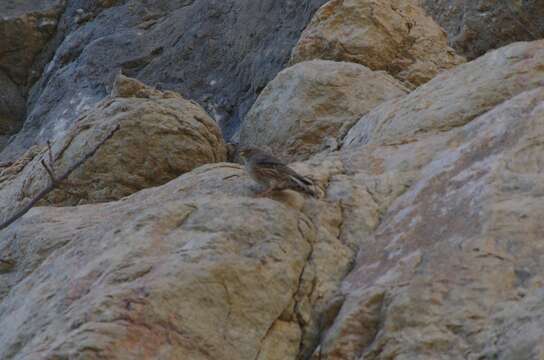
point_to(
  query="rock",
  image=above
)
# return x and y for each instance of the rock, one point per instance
(3, 141)
(309, 105)
(475, 27)
(455, 97)
(173, 272)
(198, 267)
(219, 53)
(431, 220)
(205, 227)
(457, 254)
(25, 28)
(281, 342)
(12, 107)
(161, 136)
(392, 35)
(426, 242)
(519, 336)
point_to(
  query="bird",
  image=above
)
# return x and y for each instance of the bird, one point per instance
(270, 172)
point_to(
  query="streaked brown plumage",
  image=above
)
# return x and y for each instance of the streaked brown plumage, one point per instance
(273, 174)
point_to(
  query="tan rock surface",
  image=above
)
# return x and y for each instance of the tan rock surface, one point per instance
(392, 35)
(454, 97)
(457, 254)
(309, 105)
(161, 136)
(195, 269)
(426, 244)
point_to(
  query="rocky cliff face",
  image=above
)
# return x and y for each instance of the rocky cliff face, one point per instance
(426, 239)
(219, 53)
(475, 27)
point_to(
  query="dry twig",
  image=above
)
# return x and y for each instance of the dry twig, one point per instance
(55, 181)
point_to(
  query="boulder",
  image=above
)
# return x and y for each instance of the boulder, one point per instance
(219, 53)
(426, 241)
(455, 97)
(455, 265)
(475, 27)
(392, 35)
(308, 106)
(25, 28)
(160, 136)
(446, 228)
(195, 269)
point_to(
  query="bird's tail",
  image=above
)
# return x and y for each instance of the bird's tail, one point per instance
(303, 184)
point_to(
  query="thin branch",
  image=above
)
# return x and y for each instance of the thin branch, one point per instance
(51, 161)
(50, 153)
(49, 171)
(55, 181)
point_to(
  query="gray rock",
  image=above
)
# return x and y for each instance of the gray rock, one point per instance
(219, 53)
(474, 27)
(12, 106)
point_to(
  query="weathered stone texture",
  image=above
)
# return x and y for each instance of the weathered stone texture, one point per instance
(392, 35)
(309, 106)
(186, 277)
(475, 27)
(455, 97)
(219, 53)
(426, 241)
(456, 251)
(12, 107)
(160, 136)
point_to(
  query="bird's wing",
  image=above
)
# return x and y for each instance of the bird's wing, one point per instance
(274, 168)
(263, 158)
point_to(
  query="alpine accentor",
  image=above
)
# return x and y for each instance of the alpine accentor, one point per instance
(272, 173)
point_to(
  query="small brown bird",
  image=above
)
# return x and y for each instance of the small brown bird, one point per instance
(273, 174)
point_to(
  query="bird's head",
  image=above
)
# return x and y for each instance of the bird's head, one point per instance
(247, 152)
